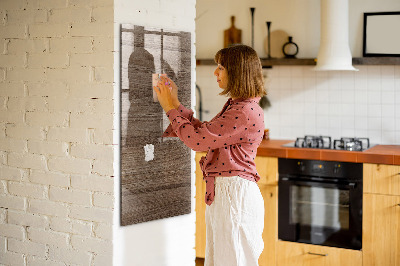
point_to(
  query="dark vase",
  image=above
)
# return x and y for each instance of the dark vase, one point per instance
(290, 49)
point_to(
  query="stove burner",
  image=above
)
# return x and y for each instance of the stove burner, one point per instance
(351, 144)
(308, 141)
(324, 142)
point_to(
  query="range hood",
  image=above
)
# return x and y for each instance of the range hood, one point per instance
(334, 51)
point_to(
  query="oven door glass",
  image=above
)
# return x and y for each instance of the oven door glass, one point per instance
(323, 211)
(320, 213)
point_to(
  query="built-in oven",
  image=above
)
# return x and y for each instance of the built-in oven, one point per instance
(320, 202)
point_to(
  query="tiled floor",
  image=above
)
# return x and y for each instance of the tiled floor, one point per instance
(199, 262)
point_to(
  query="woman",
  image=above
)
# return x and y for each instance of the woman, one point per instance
(235, 207)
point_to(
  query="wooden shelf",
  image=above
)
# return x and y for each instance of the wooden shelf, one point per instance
(312, 61)
(288, 62)
(267, 63)
(376, 61)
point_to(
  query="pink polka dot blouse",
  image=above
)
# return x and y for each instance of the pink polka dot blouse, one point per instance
(231, 139)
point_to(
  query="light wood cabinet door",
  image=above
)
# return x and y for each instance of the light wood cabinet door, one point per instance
(200, 209)
(267, 168)
(381, 230)
(270, 233)
(381, 179)
(298, 254)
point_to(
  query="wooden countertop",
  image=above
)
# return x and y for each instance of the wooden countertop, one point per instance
(379, 154)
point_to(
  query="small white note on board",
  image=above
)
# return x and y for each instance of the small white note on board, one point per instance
(148, 152)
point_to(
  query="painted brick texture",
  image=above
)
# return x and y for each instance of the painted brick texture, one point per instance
(56, 126)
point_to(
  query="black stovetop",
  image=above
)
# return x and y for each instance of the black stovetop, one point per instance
(325, 142)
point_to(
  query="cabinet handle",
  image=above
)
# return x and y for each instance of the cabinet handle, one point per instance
(398, 204)
(318, 254)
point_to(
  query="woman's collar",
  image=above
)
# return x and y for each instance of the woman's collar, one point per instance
(236, 100)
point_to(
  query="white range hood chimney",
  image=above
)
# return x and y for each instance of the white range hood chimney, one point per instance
(334, 51)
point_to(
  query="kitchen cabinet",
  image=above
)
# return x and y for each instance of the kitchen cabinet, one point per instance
(200, 209)
(381, 221)
(270, 233)
(381, 215)
(291, 253)
(381, 179)
(381, 230)
(267, 168)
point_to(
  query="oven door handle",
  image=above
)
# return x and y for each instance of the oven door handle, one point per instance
(329, 184)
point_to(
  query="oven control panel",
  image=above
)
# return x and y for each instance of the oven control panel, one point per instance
(330, 169)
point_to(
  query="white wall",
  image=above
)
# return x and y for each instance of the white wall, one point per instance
(338, 104)
(168, 241)
(299, 18)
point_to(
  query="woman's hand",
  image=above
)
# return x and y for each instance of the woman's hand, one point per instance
(174, 94)
(163, 90)
(174, 91)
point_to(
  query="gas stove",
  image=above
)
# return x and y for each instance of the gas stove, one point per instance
(325, 142)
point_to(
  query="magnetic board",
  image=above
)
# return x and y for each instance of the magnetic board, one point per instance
(155, 171)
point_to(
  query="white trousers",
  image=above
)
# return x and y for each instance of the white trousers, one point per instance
(234, 223)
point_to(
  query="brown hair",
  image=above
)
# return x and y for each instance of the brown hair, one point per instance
(245, 78)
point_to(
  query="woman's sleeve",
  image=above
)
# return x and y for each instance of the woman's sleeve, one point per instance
(223, 131)
(186, 113)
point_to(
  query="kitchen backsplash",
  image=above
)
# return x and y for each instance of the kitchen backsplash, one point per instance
(337, 104)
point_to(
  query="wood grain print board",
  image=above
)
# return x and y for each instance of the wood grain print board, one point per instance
(155, 171)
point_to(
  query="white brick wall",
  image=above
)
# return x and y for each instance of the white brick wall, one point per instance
(76, 227)
(28, 219)
(56, 124)
(27, 247)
